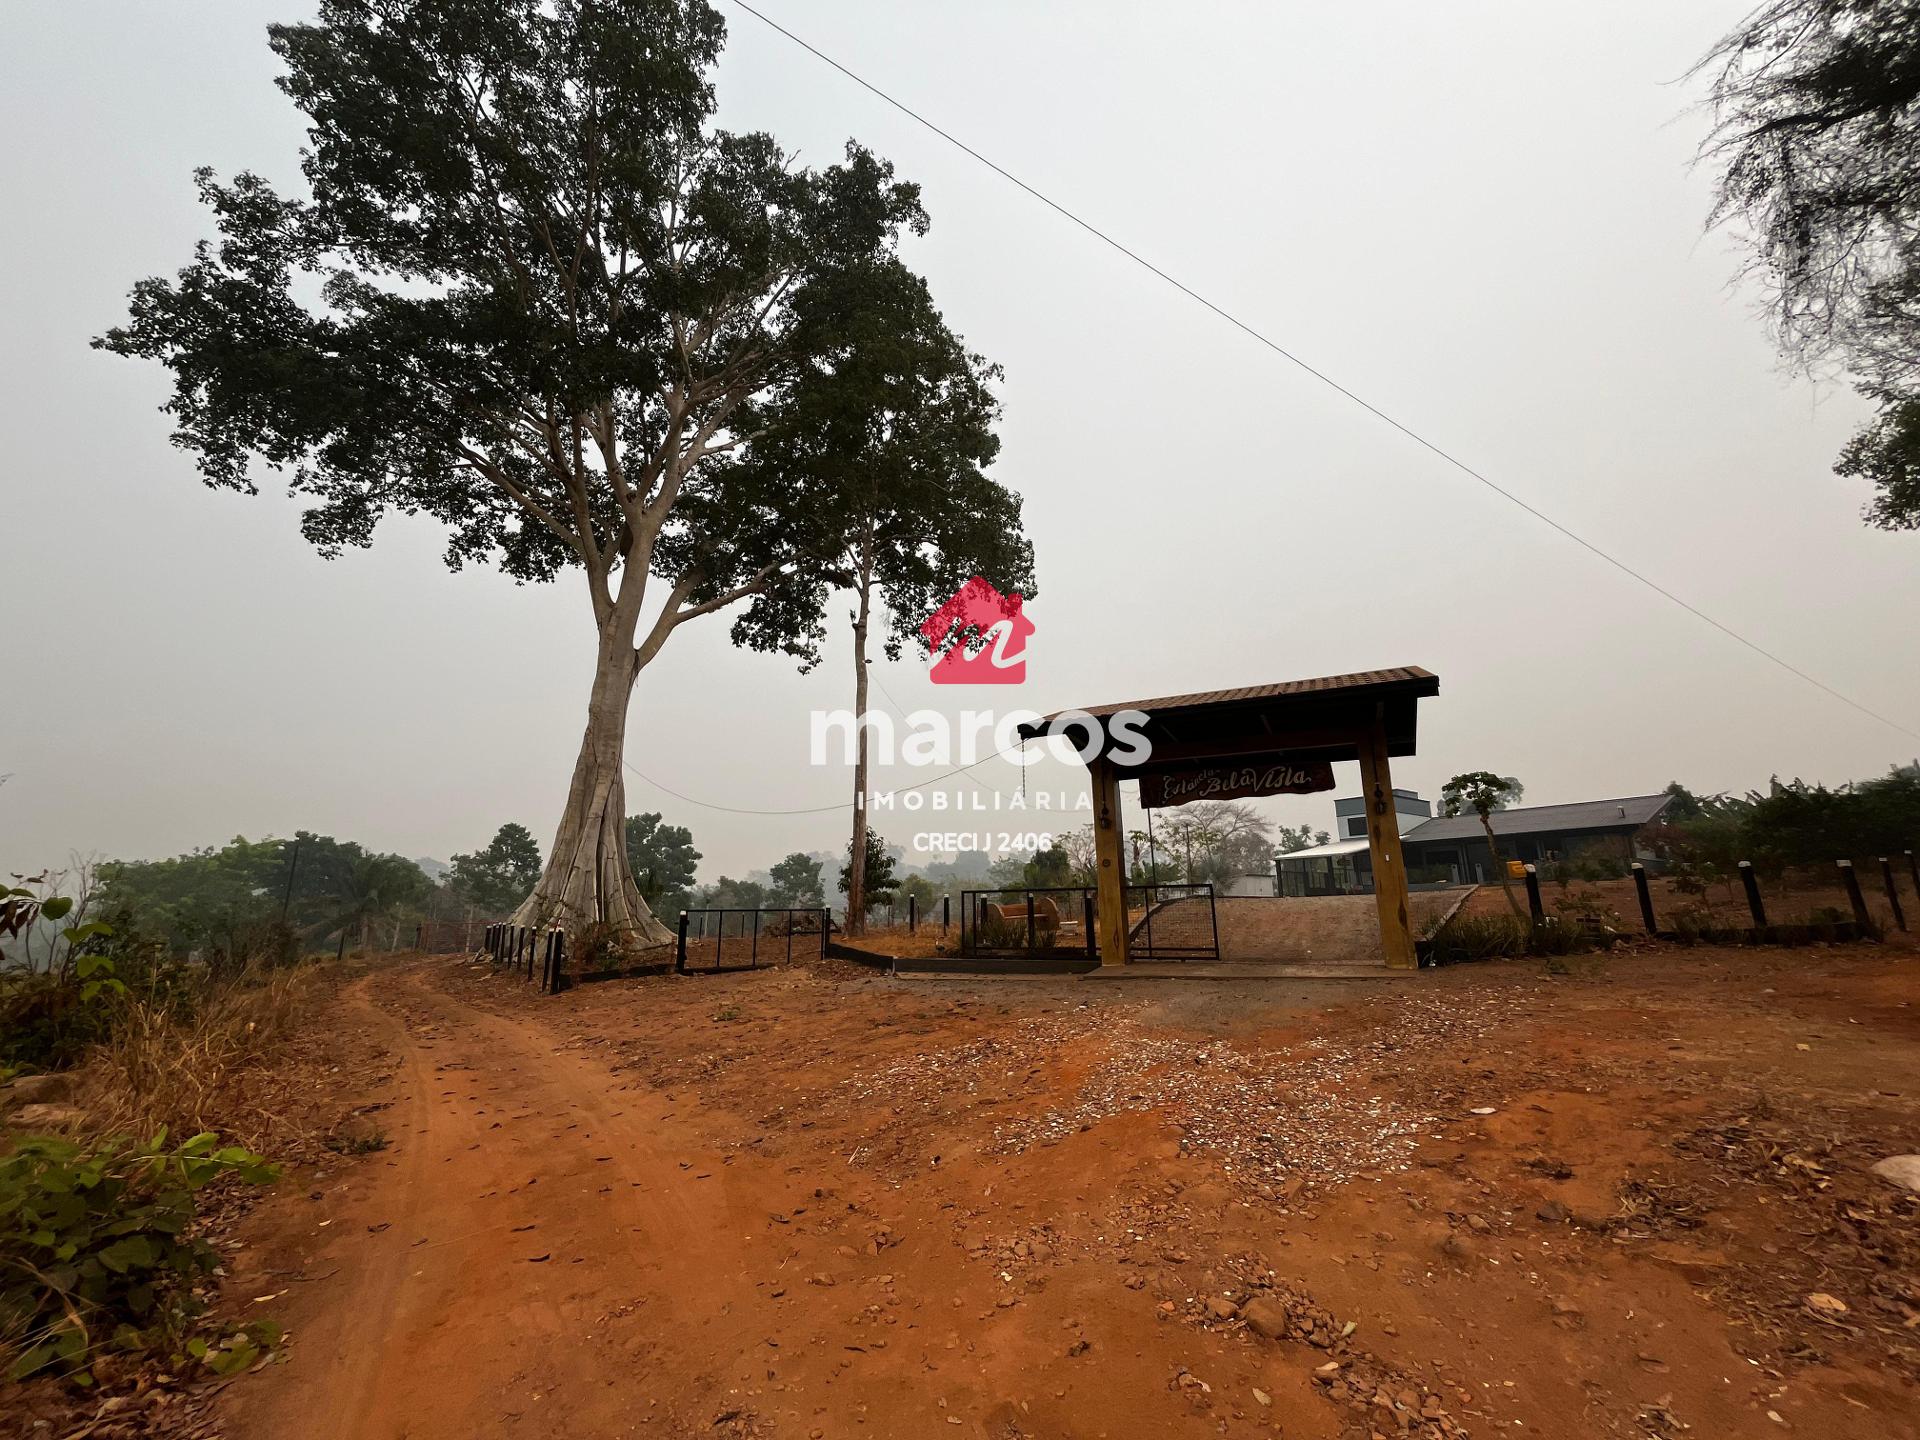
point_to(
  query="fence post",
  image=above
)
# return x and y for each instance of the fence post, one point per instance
(1913, 869)
(1646, 897)
(1029, 921)
(416, 935)
(1751, 884)
(1086, 922)
(826, 919)
(946, 904)
(1851, 883)
(559, 961)
(1534, 908)
(1893, 893)
(913, 914)
(680, 947)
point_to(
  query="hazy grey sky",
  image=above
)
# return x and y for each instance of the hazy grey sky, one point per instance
(1479, 215)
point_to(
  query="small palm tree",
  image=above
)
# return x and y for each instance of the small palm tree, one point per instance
(1483, 792)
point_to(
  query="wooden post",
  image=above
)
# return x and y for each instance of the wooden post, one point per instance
(1110, 864)
(1752, 886)
(1383, 847)
(1646, 898)
(1851, 883)
(1893, 893)
(680, 946)
(946, 911)
(1535, 910)
(913, 914)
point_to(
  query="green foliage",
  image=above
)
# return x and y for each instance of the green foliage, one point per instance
(1467, 938)
(95, 1244)
(1048, 868)
(597, 948)
(227, 903)
(238, 1351)
(920, 889)
(881, 884)
(1298, 837)
(22, 905)
(531, 292)
(727, 893)
(1817, 130)
(1480, 792)
(48, 1019)
(1794, 825)
(499, 877)
(44, 1023)
(663, 860)
(797, 882)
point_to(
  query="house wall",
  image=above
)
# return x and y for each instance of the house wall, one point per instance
(1543, 849)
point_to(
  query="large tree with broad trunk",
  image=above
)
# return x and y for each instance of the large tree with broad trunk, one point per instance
(533, 293)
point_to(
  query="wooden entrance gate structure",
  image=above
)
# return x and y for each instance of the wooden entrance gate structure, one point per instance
(1258, 740)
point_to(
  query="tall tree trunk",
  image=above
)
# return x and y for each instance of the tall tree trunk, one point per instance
(587, 880)
(857, 856)
(1500, 869)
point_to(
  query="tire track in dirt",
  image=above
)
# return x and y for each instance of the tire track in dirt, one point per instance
(467, 1285)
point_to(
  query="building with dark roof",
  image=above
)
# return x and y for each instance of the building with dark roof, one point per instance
(1443, 850)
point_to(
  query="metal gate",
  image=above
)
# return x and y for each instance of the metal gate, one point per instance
(713, 942)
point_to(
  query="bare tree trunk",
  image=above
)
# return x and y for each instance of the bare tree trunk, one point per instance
(587, 880)
(1500, 869)
(857, 856)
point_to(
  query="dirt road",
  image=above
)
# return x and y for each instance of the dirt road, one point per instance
(816, 1204)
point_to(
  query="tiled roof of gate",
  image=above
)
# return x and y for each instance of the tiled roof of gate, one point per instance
(1411, 675)
(1634, 810)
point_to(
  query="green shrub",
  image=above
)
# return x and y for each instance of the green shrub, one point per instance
(95, 1248)
(45, 1024)
(1467, 938)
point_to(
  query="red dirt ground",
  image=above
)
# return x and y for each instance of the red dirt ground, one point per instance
(816, 1202)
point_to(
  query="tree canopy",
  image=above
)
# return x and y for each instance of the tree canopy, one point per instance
(664, 861)
(881, 883)
(499, 877)
(533, 293)
(797, 883)
(1816, 133)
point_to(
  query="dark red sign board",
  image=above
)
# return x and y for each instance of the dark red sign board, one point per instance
(1182, 784)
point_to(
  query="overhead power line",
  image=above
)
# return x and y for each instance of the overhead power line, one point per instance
(1325, 379)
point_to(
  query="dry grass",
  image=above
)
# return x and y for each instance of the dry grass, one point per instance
(216, 1061)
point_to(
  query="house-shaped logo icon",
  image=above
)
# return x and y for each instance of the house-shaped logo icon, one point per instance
(1001, 630)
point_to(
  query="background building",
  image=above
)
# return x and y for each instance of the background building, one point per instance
(1453, 851)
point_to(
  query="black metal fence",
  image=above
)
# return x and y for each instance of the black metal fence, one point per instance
(701, 945)
(540, 955)
(1858, 924)
(1186, 932)
(1177, 921)
(1027, 920)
